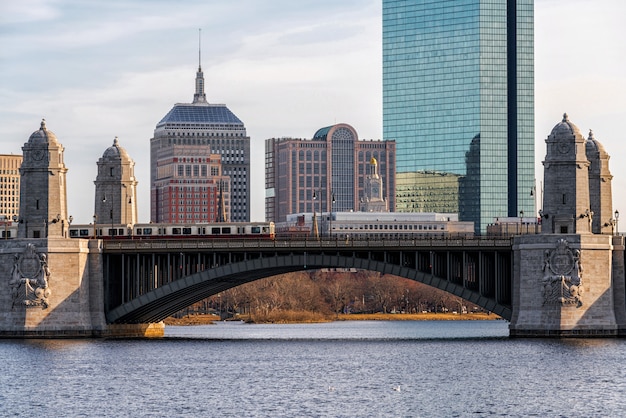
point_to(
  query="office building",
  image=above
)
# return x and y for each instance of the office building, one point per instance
(9, 186)
(327, 173)
(186, 180)
(458, 99)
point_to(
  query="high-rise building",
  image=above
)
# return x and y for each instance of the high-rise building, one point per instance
(9, 187)
(325, 174)
(458, 99)
(186, 180)
(116, 188)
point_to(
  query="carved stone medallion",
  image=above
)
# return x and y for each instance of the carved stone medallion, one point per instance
(562, 276)
(29, 281)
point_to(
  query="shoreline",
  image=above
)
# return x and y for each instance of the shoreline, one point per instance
(190, 320)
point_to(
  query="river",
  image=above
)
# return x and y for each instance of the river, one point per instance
(338, 369)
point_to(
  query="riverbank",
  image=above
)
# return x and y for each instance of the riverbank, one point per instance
(209, 319)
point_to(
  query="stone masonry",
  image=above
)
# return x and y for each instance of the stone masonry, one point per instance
(569, 280)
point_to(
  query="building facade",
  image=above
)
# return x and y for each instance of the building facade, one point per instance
(327, 173)
(374, 225)
(116, 188)
(186, 180)
(458, 99)
(9, 188)
(374, 199)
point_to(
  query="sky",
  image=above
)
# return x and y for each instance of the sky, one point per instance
(106, 69)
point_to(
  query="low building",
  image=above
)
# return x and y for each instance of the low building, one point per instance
(374, 225)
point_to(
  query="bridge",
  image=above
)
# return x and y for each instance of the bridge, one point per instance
(145, 281)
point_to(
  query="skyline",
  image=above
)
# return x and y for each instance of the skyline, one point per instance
(97, 71)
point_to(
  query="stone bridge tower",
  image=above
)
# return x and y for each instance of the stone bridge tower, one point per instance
(52, 285)
(116, 188)
(43, 197)
(569, 280)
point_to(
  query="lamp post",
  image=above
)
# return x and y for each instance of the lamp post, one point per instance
(315, 226)
(4, 218)
(95, 231)
(616, 220)
(521, 220)
(332, 202)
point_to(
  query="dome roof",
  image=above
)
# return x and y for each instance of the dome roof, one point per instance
(43, 135)
(594, 146)
(115, 152)
(565, 127)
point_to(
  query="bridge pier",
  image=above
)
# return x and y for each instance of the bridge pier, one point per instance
(53, 288)
(568, 286)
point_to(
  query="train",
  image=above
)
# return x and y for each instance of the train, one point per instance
(221, 230)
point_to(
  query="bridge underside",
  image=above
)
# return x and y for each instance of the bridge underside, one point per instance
(150, 286)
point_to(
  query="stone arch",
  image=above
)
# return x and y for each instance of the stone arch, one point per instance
(166, 300)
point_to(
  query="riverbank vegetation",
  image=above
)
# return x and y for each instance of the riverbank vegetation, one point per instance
(320, 296)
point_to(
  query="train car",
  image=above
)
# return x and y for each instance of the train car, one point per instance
(101, 231)
(254, 230)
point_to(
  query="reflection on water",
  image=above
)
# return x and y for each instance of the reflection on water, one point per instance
(351, 369)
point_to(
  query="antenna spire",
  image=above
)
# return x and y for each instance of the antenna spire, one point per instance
(199, 96)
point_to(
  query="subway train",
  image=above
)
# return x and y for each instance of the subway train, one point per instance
(222, 230)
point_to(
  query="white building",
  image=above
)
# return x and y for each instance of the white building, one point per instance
(361, 225)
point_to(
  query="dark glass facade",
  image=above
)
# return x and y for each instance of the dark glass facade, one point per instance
(458, 99)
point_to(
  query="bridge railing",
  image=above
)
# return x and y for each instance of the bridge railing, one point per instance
(247, 244)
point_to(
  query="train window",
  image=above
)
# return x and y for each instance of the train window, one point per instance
(255, 230)
(7, 234)
(73, 232)
(84, 232)
(226, 230)
(120, 231)
(147, 231)
(215, 231)
(202, 231)
(186, 231)
(175, 231)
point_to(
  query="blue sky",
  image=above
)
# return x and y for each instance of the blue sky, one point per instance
(100, 69)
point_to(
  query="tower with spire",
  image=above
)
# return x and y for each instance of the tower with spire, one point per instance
(374, 198)
(186, 181)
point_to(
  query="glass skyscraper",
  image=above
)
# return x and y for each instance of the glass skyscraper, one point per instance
(458, 99)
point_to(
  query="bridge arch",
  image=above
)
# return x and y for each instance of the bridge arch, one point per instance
(161, 302)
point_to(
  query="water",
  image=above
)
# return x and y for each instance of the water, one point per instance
(342, 369)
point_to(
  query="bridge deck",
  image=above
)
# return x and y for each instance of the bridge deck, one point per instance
(148, 280)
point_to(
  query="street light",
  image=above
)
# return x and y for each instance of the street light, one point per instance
(95, 233)
(616, 219)
(521, 220)
(332, 202)
(315, 227)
